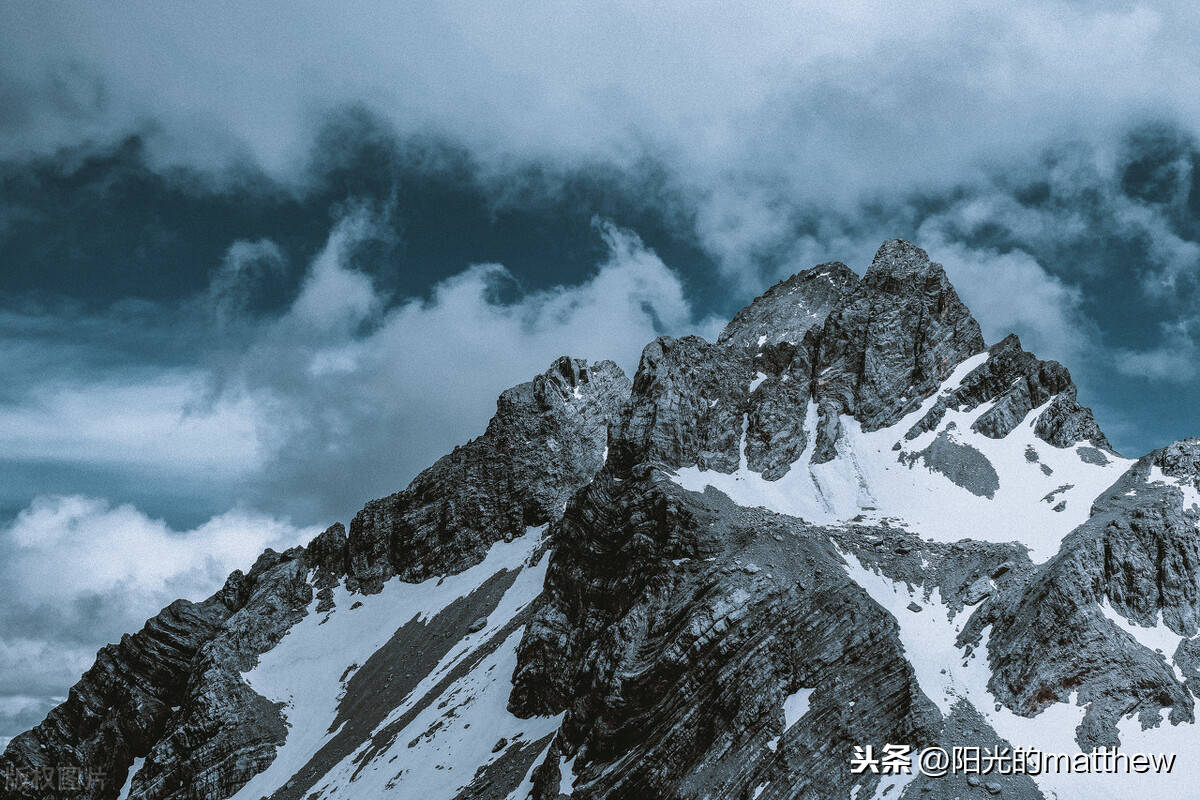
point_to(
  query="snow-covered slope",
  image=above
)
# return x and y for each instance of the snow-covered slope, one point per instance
(967, 485)
(460, 714)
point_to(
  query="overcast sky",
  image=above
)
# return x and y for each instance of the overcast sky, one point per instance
(262, 262)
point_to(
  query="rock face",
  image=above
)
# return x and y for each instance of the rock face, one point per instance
(890, 343)
(871, 349)
(1016, 383)
(119, 707)
(173, 694)
(675, 628)
(546, 440)
(790, 308)
(847, 522)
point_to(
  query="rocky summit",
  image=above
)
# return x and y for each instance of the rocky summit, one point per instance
(848, 523)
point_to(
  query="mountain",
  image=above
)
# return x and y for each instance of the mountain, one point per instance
(848, 522)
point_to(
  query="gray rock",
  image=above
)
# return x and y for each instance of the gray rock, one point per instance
(890, 343)
(790, 308)
(979, 589)
(962, 464)
(1016, 382)
(620, 623)
(546, 439)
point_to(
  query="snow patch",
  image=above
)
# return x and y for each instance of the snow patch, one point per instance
(453, 736)
(1191, 497)
(759, 377)
(566, 775)
(945, 674)
(866, 477)
(304, 670)
(795, 706)
(889, 784)
(525, 788)
(1159, 638)
(133, 770)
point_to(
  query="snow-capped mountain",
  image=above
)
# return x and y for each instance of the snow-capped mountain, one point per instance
(848, 522)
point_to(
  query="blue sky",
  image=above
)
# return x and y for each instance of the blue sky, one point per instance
(260, 265)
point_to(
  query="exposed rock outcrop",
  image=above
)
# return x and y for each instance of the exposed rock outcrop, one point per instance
(790, 308)
(546, 440)
(173, 693)
(890, 343)
(676, 625)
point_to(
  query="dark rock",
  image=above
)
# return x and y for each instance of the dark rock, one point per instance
(790, 308)
(962, 464)
(545, 441)
(890, 343)
(1017, 382)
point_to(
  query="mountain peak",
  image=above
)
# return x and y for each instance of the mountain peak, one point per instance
(899, 261)
(523, 603)
(786, 311)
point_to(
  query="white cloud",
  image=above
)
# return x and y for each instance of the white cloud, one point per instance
(1012, 293)
(245, 265)
(335, 299)
(341, 397)
(83, 545)
(753, 108)
(81, 571)
(151, 421)
(399, 388)
(1171, 361)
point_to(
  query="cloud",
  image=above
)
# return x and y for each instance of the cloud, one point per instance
(749, 106)
(1046, 311)
(80, 571)
(364, 394)
(148, 421)
(19, 713)
(246, 266)
(119, 547)
(342, 396)
(1171, 361)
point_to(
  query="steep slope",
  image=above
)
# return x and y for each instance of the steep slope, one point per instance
(847, 522)
(678, 621)
(174, 696)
